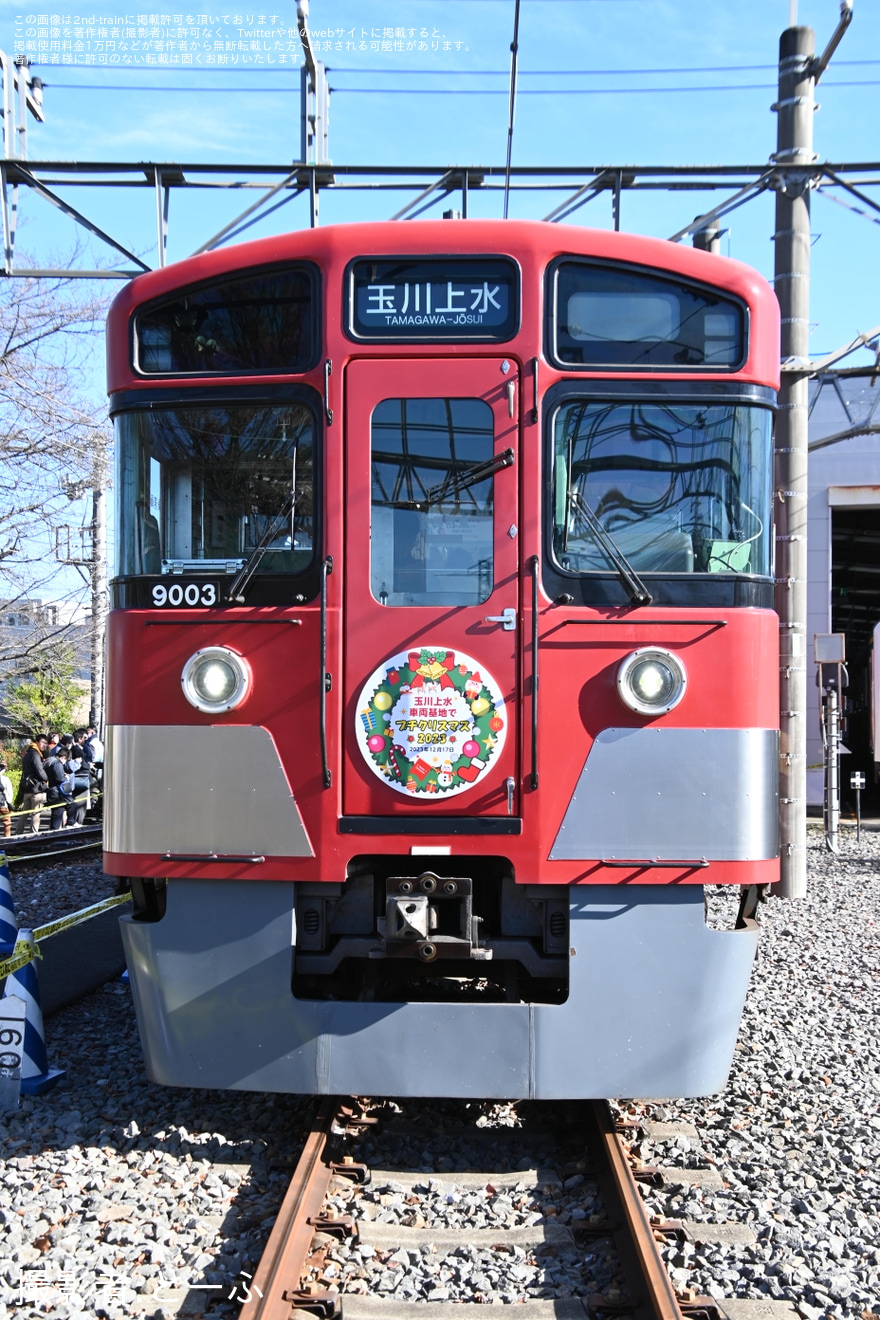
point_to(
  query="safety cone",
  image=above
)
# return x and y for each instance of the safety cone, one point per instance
(8, 919)
(36, 1075)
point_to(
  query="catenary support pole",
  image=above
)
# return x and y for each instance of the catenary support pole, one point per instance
(99, 600)
(511, 111)
(794, 153)
(832, 766)
(707, 239)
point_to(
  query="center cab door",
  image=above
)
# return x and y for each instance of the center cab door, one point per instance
(431, 594)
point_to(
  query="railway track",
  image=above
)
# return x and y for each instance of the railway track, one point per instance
(537, 1206)
(35, 848)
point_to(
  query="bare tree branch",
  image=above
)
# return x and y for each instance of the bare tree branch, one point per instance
(54, 446)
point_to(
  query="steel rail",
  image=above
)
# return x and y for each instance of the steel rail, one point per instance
(282, 1262)
(636, 1243)
(36, 847)
(275, 1292)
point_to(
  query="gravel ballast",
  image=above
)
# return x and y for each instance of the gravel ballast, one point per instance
(796, 1133)
(122, 1198)
(58, 888)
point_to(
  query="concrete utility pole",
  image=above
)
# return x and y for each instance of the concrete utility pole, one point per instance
(794, 148)
(92, 555)
(99, 600)
(799, 71)
(707, 239)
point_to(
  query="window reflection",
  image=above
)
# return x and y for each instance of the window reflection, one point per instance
(431, 534)
(680, 488)
(203, 487)
(618, 317)
(250, 323)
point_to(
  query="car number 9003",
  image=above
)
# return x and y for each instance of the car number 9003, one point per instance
(184, 593)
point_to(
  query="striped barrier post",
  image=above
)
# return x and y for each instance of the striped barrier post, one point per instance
(23, 983)
(8, 919)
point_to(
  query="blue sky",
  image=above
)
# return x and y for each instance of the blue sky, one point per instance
(447, 104)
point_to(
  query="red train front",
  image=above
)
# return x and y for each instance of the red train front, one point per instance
(443, 666)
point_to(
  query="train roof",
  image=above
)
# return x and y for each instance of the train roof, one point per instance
(521, 239)
(533, 244)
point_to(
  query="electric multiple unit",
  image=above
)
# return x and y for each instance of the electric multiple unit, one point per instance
(442, 664)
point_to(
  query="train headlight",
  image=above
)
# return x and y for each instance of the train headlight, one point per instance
(215, 679)
(651, 681)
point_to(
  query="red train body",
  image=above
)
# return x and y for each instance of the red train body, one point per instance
(442, 666)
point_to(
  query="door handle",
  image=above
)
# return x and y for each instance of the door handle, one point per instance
(328, 372)
(511, 398)
(507, 619)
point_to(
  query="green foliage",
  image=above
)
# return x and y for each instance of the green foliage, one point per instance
(12, 757)
(45, 698)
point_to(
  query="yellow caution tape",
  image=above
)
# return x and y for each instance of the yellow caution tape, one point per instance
(24, 952)
(85, 914)
(31, 811)
(50, 806)
(27, 945)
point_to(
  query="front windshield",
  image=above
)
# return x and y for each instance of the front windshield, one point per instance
(680, 488)
(200, 488)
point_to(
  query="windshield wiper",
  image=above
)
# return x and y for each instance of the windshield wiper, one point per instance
(242, 579)
(455, 484)
(639, 593)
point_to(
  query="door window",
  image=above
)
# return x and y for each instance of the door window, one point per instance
(431, 535)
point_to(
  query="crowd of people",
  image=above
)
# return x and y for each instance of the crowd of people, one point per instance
(60, 772)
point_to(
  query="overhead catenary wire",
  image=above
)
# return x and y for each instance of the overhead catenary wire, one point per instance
(585, 91)
(448, 91)
(294, 69)
(655, 72)
(823, 192)
(577, 73)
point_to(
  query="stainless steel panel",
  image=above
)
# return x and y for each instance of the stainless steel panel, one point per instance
(211, 985)
(653, 1009)
(680, 794)
(196, 789)
(664, 995)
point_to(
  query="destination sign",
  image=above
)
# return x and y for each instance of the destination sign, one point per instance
(456, 298)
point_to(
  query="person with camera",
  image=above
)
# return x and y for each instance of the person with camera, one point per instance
(34, 780)
(59, 792)
(6, 796)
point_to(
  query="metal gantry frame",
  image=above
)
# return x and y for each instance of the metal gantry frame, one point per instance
(792, 178)
(428, 186)
(22, 95)
(793, 174)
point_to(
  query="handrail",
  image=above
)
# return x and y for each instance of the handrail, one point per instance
(599, 620)
(328, 372)
(533, 779)
(643, 863)
(326, 678)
